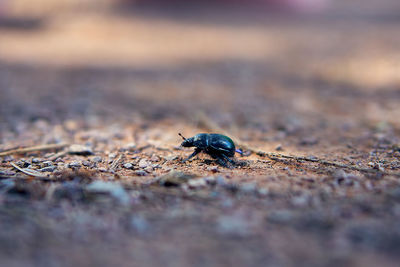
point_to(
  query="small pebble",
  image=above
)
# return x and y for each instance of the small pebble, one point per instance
(35, 160)
(155, 158)
(47, 163)
(210, 180)
(97, 159)
(196, 183)
(48, 169)
(308, 141)
(279, 148)
(116, 190)
(6, 172)
(130, 147)
(8, 159)
(86, 163)
(23, 164)
(128, 165)
(102, 169)
(80, 150)
(213, 169)
(148, 169)
(143, 163)
(175, 178)
(140, 173)
(263, 191)
(74, 164)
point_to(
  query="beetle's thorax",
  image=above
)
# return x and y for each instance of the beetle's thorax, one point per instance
(201, 140)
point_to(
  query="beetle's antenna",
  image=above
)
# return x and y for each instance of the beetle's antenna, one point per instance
(182, 136)
(239, 151)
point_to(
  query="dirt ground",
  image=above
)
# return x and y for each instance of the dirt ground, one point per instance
(114, 88)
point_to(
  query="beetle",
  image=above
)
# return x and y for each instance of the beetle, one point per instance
(218, 146)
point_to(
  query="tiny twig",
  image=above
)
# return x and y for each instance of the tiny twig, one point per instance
(211, 125)
(115, 163)
(58, 155)
(29, 172)
(32, 149)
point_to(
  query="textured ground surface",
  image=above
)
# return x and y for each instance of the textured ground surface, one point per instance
(324, 87)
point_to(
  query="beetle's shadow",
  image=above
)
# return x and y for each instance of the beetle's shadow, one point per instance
(241, 163)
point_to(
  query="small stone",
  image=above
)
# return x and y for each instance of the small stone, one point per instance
(48, 169)
(175, 178)
(71, 125)
(59, 160)
(210, 180)
(300, 201)
(61, 165)
(196, 183)
(47, 163)
(35, 160)
(143, 163)
(23, 164)
(112, 155)
(6, 172)
(379, 167)
(115, 189)
(263, 191)
(140, 173)
(97, 159)
(130, 147)
(80, 150)
(213, 169)
(74, 164)
(102, 169)
(148, 169)
(128, 165)
(8, 158)
(309, 141)
(86, 163)
(279, 148)
(154, 158)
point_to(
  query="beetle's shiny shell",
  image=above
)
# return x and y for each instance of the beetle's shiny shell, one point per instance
(221, 143)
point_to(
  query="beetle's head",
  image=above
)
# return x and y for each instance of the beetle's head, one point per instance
(187, 142)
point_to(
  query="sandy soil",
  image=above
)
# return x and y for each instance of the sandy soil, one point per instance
(122, 86)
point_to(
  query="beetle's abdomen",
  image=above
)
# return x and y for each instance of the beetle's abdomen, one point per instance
(222, 144)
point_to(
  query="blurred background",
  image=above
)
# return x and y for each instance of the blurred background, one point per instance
(258, 65)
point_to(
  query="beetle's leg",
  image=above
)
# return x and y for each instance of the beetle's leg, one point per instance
(222, 162)
(196, 151)
(231, 161)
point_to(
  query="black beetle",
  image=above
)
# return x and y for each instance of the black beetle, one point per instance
(218, 146)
